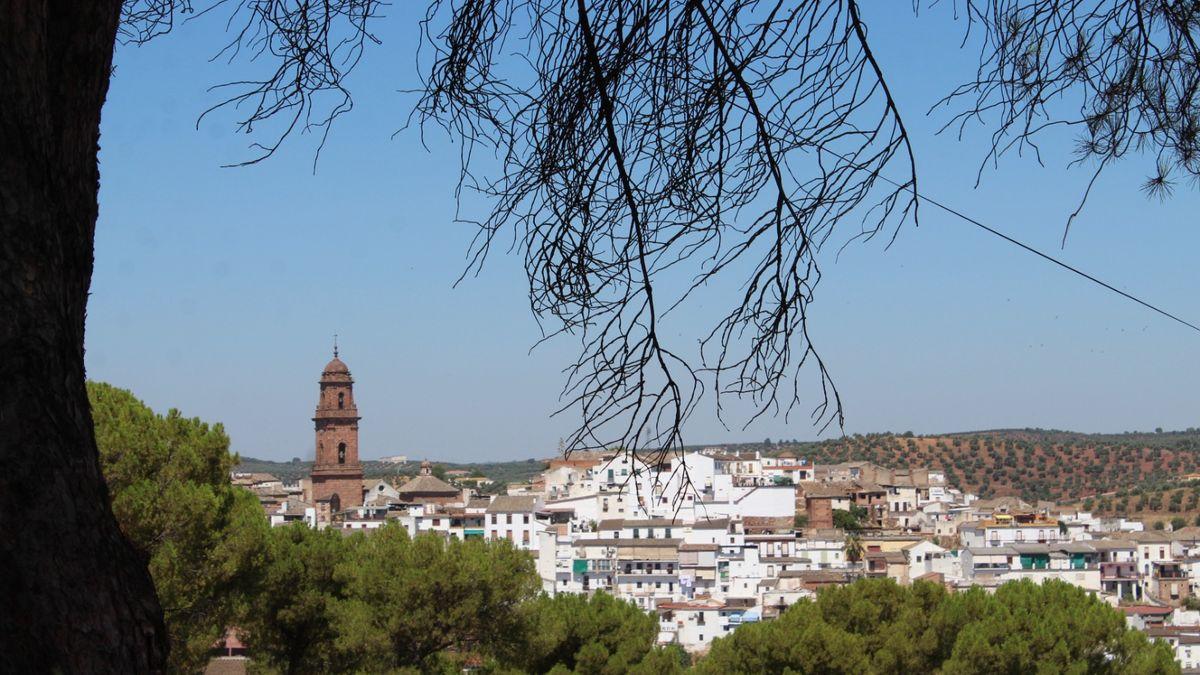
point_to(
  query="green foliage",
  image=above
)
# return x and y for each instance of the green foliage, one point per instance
(291, 621)
(853, 548)
(600, 634)
(385, 602)
(411, 601)
(850, 521)
(876, 626)
(168, 477)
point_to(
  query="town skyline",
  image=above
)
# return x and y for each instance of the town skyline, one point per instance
(704, 337)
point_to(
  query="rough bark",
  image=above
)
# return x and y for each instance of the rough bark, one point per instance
(74, 595)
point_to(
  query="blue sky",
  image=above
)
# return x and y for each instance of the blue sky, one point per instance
(217, 290)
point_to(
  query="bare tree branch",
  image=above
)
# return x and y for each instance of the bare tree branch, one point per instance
(633, 137)
(307, 48)
(1122, 72)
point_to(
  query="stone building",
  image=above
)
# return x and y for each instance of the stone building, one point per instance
(426, 488)
(337, 476)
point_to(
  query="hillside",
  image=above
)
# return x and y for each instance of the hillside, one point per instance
(1031, 463)
(501, 472)
(1164, 502)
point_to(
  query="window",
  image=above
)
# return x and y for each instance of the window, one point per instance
(637, 533)
(494, 519)
(341, 453)
(525, 518)
(341, 400)
(509, 519)
(667, 534)
(525, 537)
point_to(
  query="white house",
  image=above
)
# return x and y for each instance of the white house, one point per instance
(1004, 529)
(293, 511)
(926, 557)
(514, 518)
(692, 624)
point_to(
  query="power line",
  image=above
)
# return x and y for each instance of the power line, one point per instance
(1060, 263)
(1046, 256)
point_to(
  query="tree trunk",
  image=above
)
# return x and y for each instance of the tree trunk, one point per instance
(74, 595)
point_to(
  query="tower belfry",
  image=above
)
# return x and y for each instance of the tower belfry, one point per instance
(337, 472)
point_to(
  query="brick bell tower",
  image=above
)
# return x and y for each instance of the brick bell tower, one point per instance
(337, 474)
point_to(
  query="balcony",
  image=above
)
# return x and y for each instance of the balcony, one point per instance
(1170, 575)
(648, 571)
(1122, 573)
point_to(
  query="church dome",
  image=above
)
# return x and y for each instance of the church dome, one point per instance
(336, 366)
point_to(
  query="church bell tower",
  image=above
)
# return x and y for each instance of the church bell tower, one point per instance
(337, 474)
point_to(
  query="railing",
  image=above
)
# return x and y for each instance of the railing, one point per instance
(1171, 575)
(1125, 574)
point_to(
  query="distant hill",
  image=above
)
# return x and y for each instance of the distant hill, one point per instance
(1031, 463)
(501, 472)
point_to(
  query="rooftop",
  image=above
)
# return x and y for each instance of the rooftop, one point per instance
(628, 543)
(513, 504)
(425, 484)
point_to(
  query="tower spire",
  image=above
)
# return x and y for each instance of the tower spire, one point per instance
(335, 345)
